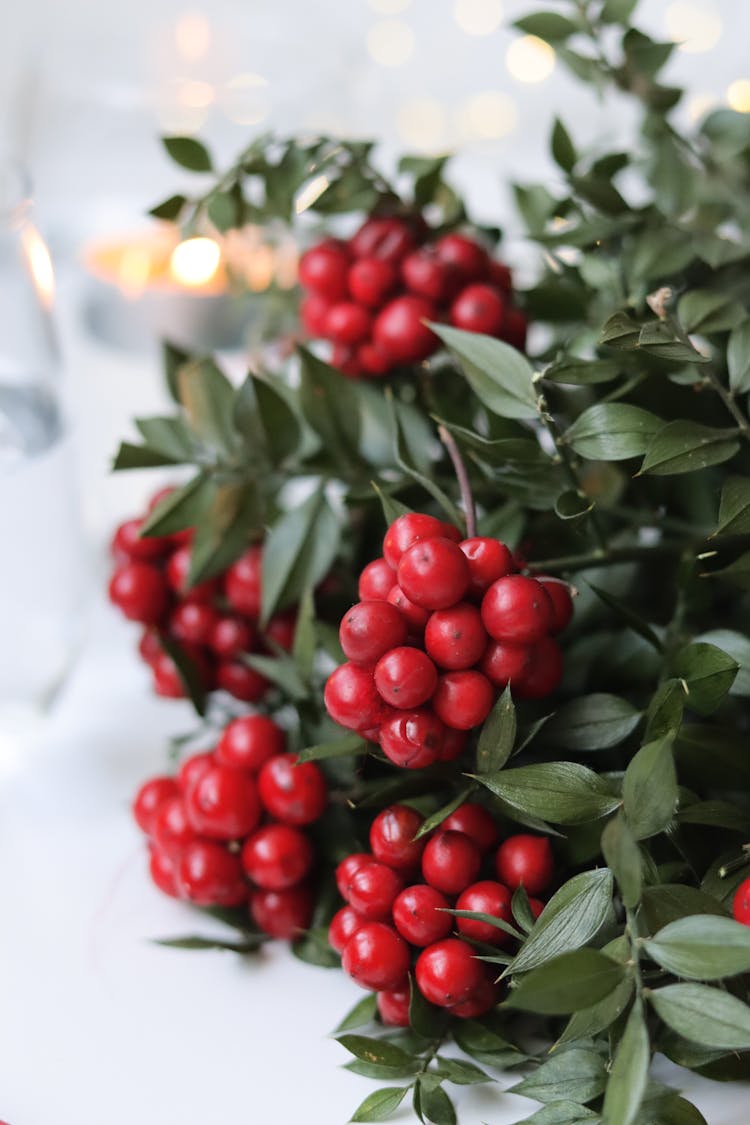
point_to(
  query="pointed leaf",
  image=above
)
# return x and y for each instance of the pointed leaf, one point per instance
(649, 790)
(629, 1076)
(593, 722)
(559, 792)
(684, 447)
(378, 1051)
(734, 507)
(612, 432)
(705, 1015)
(708, 673)
(298, 552)
(702, 947)
(574, 915)
(738, 358)
(623, 857)
(381, 1104)
(498, 374)
(497, 736)
(575, 1075)
(188, 153)
(568, 983)
(364, 1011)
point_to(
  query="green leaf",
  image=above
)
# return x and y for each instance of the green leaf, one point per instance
(704, 311)
(738, 358)
(703, 1014)
(314, 948)
(521, 910)
(336, 748)
(593, 722)
(364, 1011)
(627, 615)
(298, 552)
(498, 735)
(266, 421)
(623, 857)
(734, 507)
(708, 673)
(559, 792)
(618, 11)
(484, 1043)
(583, 372)
(629, 1075)
(649, 789)
(405, 461)
(436, 1105)
(665, 710)
(378, 1051)
(208, 399)
(489, 919)
(737, 573)
(131, 456)
(660, 339)
(665, 903)
(442, 814)
(187, 670)
(180, 509)
(573, 916)
(589, 1022)
(169, 209)
(249, 945)
(572, 504)
(702, 947)
(612, 431)
(188, 153)
(575, 1075)
(547, 25)
(392, 508)
(561, 1113)
(425, 1018)
(620, 331)
(460, 1072)
(684, 447)
(716, 814)
(567, 983)
(498, 374)
(330, 404)
(563, 149)
(738, 647)
(379, 1105)
(227, 524)
(224, 209)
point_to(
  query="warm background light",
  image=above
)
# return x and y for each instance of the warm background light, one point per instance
(530, 59)
(488, 115)
(421, 124)
(40, 264)
(738, 95)
(390, 42)
(192, 35)
(246, 99)
(696, 27)
(478, 17)
(195, 261)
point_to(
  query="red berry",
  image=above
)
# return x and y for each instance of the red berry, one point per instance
(427, 276)
(454, 744)
(414, 615)
(475, 822)
(448, 973)
(347, 869)
(281, 629)
(372, 890)
(420, 914)
(192, 623)
(324, 269)
(543, 672)
(562, 602)
(412, 739)
(167, 679)
(393, 1007)
(376, 957)
(127, 544)
(525, 861)
(282, 914)
(741, 903)
(293, 793)
(463, 699)
(210, 875)
(344, 358)
(537, 906)
(407, 530)
(468, 260)
(371, 280)
(386, 238)
(149, 646)
(392, 835)
(248, 742)
(149, 799)
(231, 636)
(242, 582)
(450, 862)
(374, 359)
(344, 925)
(514, 329)
(277, 856)
(352, 699)
(500, 276)
(479, 308)
(505, 664)
(139, 592)
(369, 630)
(488, 560)
(434, 573)
(490, 898)
(479, 1003)
(376, 581)
(347, 323)
(223, 804)
(163, 872)
(313, 311)
(405, 677)
(178, 571)
(455, 638)
(517, 609)
(193, 768)
(172, 830)
(400, 328)
(241, 681)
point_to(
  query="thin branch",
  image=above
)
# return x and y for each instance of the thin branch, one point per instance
(462, 476)
(605, 557)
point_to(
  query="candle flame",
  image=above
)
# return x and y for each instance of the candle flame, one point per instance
(40, 265)
(195, 261)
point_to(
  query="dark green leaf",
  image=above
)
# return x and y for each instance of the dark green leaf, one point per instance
(392, 508)
(563, 149)
(227, 524)
(131, 456)
(188, 153)
(620, 331)
(649, 789)
(684, 447)
(497, 736)
(169, 209)
(490, 920)
(180, 509)
(485, 1044)
(593, 722)
(738, 358)
(704, 1014)
(708, 673)
(298, 552)
(629, 1075)
(460, 1072)
(623, 856)
(572, 504)
(330, 404)
(250, 945)
(187, 670)
(702, 310)
(208, 399)
(567, 983)
(442, 814)
(425, 1018)
(364, 1011)
(574, 915)
(589, 1022)
(660, 339)
(499, 375)
(314, 948)
(738, 647)
(668, 901)
(734, 507)
(612, 431)
(337, 748)
(716, 814)
(379, 1105)
(266, 421)
(559, 792)
(583, 372)
(575, 1075)
(737, 573)
(626, 614)
(547, 25)
(561, 1113)
(437, 1106)
(224, 209)
(702, 947)
(665, 710)
(378, 1051)
(521, 910)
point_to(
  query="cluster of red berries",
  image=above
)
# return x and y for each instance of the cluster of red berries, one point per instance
(228, 830)
(442, 627)
(741, 903)
(215, 622)
(393, 916)
(370, 296)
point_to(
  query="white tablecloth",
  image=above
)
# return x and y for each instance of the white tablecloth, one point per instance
(98, 1026)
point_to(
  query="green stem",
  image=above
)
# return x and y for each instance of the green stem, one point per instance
(728, 399)
(462, 476)
(631, 931)
(569, 465)
(605, 557)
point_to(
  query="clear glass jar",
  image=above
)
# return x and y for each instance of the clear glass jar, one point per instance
(42, 556)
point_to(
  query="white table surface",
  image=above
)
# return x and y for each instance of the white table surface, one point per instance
(98, 1025)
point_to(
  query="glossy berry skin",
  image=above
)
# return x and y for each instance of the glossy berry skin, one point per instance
(376, 581)
(405, 677)
(371, 280)
(373, 359)
(282, 914)
(163, 872)
(324, 269)
(525, 861)
(517, 610)
(515, 328)
(139, 592)
(412, 739)
(281, 629)
(167, 681)
(178, 572)
(347, 869)
(562, 603)
(376, 957)
(241, 681)
(172, 830)
(448, 973)
(468, 260)
(149, 646)
(344, 359)
(455, 638)
(369, 630)
(537, 906)
(427, 276)
(388, 239)
(500, 276)
(392, 835)
(488, 560)
(463, 699)
(192, 623)
(194, 768)
(415, 616)
(453, 746)
(277, 856)
(481, 1001)
(248, 742)
(420, 914)
(294, 794)
(434, 573)
(475, 822)
(223, 804)
(505, 664)
(347, 323)
(543, 672)
(231, 636)
(210, 875)
(407, 530)
(400, 328)
(127, 543)
(149, 799)
(313, 311)
(394, 1007)
(344, 925)
(479, 308)
(450, 862)
(372, 890)
(741, 903)
(352, 699)
(242, 583)
(485, 897)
